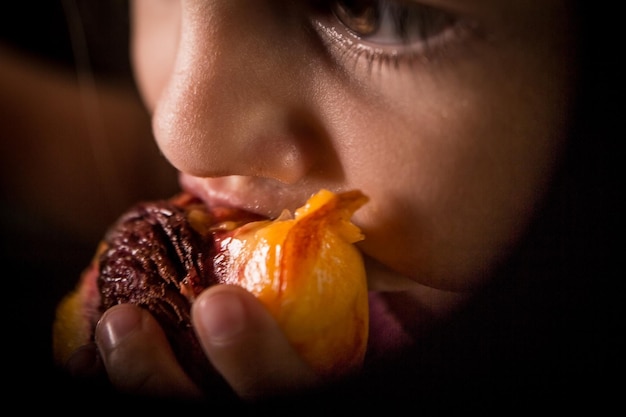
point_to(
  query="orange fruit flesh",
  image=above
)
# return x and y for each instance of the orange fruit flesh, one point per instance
(311, 277)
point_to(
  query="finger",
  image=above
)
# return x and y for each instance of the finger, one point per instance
(138, 357)
(245, 344)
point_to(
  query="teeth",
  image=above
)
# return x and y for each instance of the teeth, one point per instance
(226, 226)
(199, 219)
(285, 215)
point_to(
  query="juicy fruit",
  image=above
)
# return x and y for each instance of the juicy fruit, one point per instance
(304, 268)
(310, 276)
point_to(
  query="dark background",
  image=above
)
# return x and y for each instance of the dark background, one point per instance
(39, 263)
(46, 29)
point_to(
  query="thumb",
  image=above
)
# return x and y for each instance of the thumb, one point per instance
(246, 345)
(137, 357)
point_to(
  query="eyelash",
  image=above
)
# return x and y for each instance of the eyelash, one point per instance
(414, 42)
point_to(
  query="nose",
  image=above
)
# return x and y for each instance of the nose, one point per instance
(238, 101)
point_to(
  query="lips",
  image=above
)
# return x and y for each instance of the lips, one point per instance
(255, 195)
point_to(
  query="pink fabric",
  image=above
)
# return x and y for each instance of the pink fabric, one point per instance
(387, 336)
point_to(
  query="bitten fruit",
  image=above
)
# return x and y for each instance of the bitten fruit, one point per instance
(304, 268)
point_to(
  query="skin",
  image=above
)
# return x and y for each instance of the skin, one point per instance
(259, 105)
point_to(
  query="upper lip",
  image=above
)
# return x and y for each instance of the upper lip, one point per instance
(257, 195)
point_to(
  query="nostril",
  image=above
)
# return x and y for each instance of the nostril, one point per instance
(206, 152)
(216, 118)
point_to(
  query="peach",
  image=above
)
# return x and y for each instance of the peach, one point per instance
(304, 268)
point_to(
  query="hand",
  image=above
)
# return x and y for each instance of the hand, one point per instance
(239, 336)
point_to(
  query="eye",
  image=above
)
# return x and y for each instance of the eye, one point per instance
(362, 17)
(369, 35)
(391, 22)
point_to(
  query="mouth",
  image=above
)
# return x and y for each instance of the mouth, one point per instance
(269, 199)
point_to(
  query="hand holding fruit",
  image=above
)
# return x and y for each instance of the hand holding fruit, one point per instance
(242, 341)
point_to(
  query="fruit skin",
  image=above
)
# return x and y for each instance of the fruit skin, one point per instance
(305, 270)
(77, 315)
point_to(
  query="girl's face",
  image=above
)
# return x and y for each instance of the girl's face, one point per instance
(448, 114)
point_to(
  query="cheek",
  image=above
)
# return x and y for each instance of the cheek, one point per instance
(155, 37)
(456, 183)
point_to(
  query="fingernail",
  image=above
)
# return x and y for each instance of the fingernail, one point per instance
(115, 325)
(221, 316)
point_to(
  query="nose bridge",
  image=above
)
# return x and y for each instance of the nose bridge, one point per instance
(227, 107)
(238, 40)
